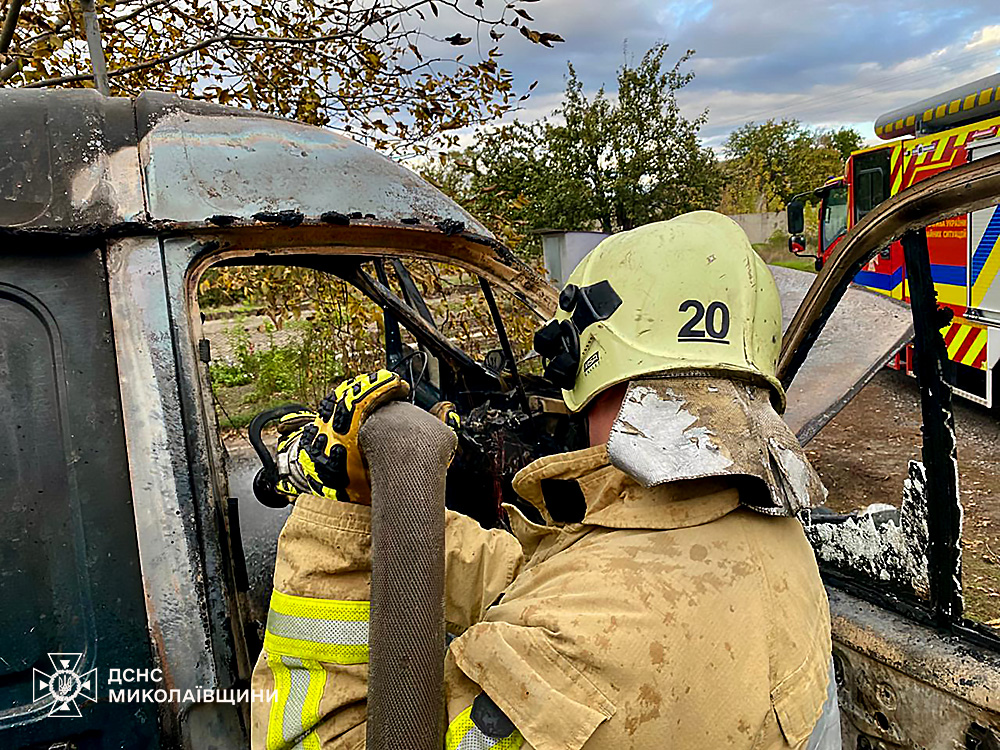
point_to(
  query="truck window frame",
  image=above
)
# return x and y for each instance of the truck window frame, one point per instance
(870, 170)
(826, 238)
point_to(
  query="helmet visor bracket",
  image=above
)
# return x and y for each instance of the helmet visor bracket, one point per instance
(558, 341)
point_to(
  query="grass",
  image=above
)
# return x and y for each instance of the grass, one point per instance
(236, 408)
(799, 264)
(775, 253)
(263, 374)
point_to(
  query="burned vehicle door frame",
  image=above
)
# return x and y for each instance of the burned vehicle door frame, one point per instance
(907, 562)
(181, 506)
(336, 250)
(182, 490)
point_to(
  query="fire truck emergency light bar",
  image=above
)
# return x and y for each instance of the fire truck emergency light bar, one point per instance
(961, 105)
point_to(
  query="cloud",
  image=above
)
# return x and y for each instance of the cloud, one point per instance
(988, 36)
(824, 62)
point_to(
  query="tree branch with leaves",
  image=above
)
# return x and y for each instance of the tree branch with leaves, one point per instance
(770, 162)
(400, 76)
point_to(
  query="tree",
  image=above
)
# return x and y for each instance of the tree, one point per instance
(494, 178)
(844, 140)
(769, 162)
(386, 71)
(638, 159)
(611, 164)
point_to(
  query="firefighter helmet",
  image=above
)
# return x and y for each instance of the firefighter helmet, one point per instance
(688, 295)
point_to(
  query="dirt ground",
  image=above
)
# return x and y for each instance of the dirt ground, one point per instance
(863, 453)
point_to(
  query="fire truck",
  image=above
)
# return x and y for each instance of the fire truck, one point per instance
(927, 137)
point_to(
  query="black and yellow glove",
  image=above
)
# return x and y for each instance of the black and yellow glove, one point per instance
(323, 456)
(445, 411)
(290, 428)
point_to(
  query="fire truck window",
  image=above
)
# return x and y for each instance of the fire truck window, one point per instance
(834, 215)
(871, 181)
(868, 190)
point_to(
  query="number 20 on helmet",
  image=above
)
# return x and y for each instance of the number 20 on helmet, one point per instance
(688, 295)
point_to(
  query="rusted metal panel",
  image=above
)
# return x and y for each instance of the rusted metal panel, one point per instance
(861, 334)
(69, 159)
(73, 162)
(201, 165)
(906, 686)
(70, 579)
(199, 443)
(78, 164)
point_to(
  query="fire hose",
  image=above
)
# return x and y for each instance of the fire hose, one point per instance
(408, 452)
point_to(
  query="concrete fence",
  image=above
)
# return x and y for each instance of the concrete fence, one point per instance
(563, 250)
(760, 227)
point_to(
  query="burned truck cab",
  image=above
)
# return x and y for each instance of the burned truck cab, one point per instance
(123, 562)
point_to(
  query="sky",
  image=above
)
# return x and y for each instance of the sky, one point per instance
(827, 63)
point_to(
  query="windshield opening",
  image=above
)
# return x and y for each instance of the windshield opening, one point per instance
(834, 219)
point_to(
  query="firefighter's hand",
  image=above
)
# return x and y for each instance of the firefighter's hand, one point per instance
(328, 451)
(445, 411)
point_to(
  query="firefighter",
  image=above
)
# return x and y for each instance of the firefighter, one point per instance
(669, 599)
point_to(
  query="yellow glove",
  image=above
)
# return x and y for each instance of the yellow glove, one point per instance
(290, 423)
(327, 454)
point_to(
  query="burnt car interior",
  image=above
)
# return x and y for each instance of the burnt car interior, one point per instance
(510, 416)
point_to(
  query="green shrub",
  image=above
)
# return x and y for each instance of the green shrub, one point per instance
(303, 370)
(226, 375)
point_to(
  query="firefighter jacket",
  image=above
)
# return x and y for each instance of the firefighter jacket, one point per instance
(634, 617)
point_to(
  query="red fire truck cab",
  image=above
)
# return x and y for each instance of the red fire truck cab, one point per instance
(930, 136)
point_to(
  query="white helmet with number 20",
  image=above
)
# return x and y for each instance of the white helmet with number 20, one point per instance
(684, 296)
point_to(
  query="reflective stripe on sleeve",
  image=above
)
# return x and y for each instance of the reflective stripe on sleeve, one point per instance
(463, 734)
(320, 629)
(298, 686)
